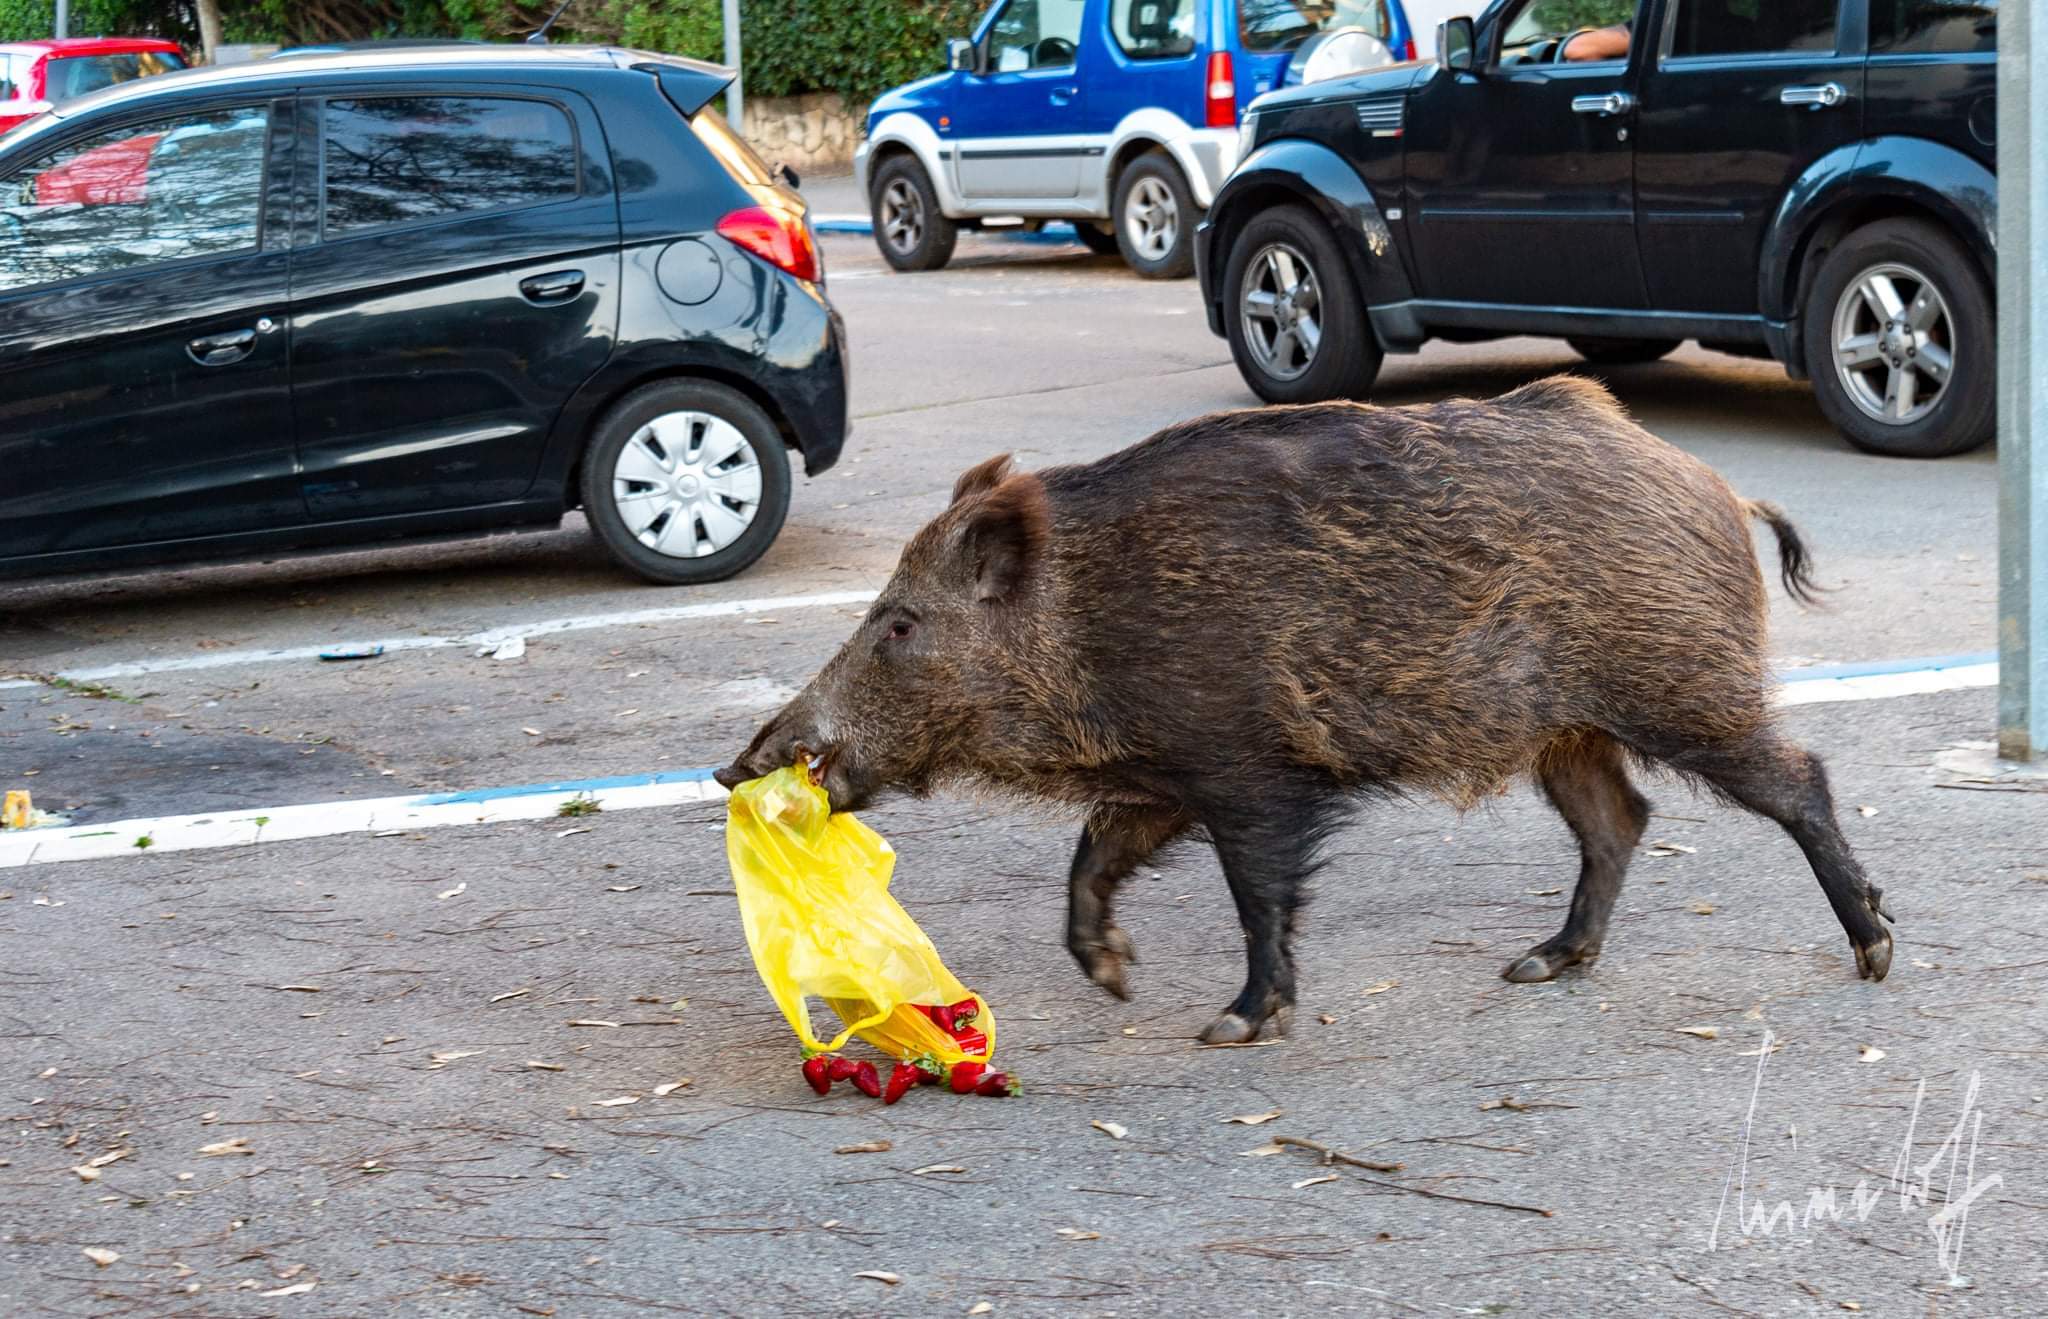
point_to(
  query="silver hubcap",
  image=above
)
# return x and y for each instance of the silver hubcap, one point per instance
(1282, 311)
(1894, 344)
(1151, 219)
(687, 484)
(902, 216)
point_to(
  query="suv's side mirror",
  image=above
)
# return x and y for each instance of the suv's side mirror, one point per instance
(1454, 42)
(960, 56)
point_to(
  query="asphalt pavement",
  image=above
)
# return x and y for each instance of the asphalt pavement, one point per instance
(353, 1059)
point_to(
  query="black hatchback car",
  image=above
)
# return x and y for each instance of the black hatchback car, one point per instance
(332, 300)
(1809, 180)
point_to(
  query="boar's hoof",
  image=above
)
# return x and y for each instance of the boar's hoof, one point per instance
(1544, 961)
(1232, 1028)
(1874, 959)
(1103, 958)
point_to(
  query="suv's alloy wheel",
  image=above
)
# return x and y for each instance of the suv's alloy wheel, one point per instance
(1280, 304)
(1292, 312)
(911, 231)
(1893, 343)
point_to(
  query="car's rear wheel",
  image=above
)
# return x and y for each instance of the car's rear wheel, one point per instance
(909, 228)
(1294, 317)
(686, 481)
(1102, 242)
(1621, 352)
(1155, 218)
(1899, 341)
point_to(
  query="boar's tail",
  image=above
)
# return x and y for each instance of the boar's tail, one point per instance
(1794, 563)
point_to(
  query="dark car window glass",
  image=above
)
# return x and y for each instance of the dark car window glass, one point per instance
(1551, 20)
(1753, 27)
(1035, 34)
(1279, 24)
(73, 76)
(1948, 27)
(163, 191)
(391, 159)
(1153, 29)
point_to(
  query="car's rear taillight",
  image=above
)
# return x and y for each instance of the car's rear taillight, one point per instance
(1222, 92)
(779, 237)
(1408, 51)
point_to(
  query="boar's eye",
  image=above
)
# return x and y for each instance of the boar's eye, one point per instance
(901, 629)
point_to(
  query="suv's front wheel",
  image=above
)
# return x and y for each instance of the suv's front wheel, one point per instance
(686, 481)
(909, 227)
(1899, 342)
(1295, 320)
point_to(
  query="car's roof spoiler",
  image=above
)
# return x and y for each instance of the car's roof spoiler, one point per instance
(688, 84)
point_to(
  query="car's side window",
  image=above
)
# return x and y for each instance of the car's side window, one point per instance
(1153, 29)
(1035, 34)
(395, 159)
(1575, 31)
(168, 190)
(1752, 27)
(1920, 27)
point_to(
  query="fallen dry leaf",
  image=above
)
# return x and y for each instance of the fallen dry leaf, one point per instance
(1663, 848)
(531, 732)
(1545, 892)
(100, 1255)
(1704, 1032)
(1870, 1053)
(1923, 964)
(936, 1167)
(1382, 987)
(1113, 1130)
(301, 989)
(586, 1021)
(539, 1066)
(1866, 812)
(620, 1102)
(1315, 1181)
(510, 993)
(1252, 1119)
(86, 1174)
(621, 888)
(579, 829)
(667, 1088)
(111, 1156)
(232, 1145)
(296, 1289)
(867, 1147)
(457, 891)
(1327, 1019)
(1701, 908)
(1508, 1102)
(982, 1307)
(879, 1276)
(439, 1060)
(1077, 1234)
(1262, 1151)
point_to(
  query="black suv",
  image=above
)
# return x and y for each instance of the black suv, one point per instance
(1809, 180)
(335, 299)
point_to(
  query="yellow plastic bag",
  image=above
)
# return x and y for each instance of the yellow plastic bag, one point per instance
(814, 898)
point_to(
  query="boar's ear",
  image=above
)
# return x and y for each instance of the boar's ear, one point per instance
(1004, 536)
(982, 476)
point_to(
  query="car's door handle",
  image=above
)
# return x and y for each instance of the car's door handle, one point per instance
(555, 286)
(222, 349)
(1064, 95)
(1609, 103)
(1820, 98)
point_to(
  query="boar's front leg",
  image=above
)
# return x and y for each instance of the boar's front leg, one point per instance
(1115, 841)
(1267, 843)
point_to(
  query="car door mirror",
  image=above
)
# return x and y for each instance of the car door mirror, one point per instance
(1454, 42)
(960, 56)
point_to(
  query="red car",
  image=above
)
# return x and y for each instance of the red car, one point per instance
(35, 75)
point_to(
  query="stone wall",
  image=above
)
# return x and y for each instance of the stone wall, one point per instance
(810, 134)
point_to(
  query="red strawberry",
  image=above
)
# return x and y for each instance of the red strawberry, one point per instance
(966, 1075)
(942, 1017)
(997, 1085)
(930, 1071)
(867, 1080)
(839, 1067)
(814, 1072)
(964, 1012)
(901, 1077)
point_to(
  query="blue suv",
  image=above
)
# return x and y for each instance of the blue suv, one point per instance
(1119, 115)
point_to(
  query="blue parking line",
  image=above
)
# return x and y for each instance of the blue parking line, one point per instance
(570, 785)
(1874, 668)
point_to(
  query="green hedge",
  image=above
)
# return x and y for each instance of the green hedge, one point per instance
(856, 48)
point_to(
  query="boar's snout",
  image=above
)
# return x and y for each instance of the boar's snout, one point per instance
(788, 737)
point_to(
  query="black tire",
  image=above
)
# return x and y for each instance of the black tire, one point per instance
(1911, 256)
(601, 490)
(909, 229)
(1622, 352)
(1102, 242)
(1138, 233)
(1347, 357)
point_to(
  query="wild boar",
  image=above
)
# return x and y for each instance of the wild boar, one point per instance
(1247, 623)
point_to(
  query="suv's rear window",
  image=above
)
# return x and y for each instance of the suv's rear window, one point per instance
(1753, 27)
(73, 76)
(392, 159)
(1948, 27)
(1279, 24)
(1153, 29)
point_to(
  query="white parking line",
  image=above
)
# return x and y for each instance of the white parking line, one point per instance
(490, 637)
(240, 828)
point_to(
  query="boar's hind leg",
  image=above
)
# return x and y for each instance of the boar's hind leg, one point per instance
(1786, 783)
(1267, 857)
(1115, 841)
(1584, 779)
